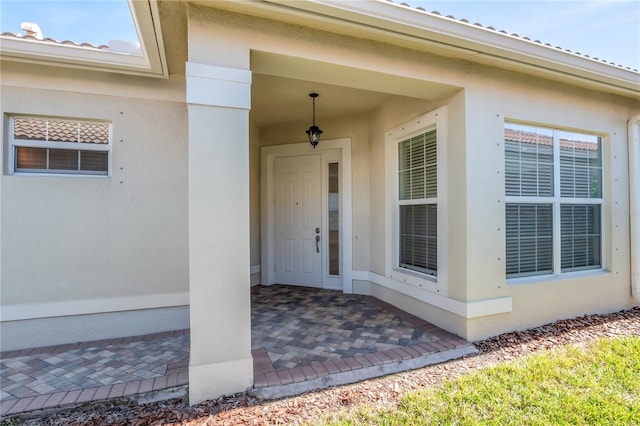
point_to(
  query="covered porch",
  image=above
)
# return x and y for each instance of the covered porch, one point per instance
(302, 339)
(251, 169)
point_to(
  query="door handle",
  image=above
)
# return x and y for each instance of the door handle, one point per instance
(317, 243)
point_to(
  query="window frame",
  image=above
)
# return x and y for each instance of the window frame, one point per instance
(435, 120)
(557, 201)
(14, 143)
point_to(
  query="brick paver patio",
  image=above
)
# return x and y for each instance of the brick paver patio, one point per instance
(298, 335)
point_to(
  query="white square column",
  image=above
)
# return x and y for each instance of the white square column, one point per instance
(218, 101)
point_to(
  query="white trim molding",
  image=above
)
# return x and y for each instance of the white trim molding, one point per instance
(91, 306)
(218, 86)
(438, 120)
(634, 201)
(467, 310)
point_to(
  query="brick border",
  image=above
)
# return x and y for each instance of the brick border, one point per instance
(176, 376)
(266, 376)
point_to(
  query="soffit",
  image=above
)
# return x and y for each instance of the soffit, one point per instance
(173, 21)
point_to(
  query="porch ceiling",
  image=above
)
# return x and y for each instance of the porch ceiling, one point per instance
(281, 86)
(278, 100)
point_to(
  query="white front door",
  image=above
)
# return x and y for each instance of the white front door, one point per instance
(298, 220)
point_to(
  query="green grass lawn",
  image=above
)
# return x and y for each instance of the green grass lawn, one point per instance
(598, 384)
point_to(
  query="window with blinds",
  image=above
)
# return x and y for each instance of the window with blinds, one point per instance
(418, 182)
(552, 175)
(529, 239)
(59, 146)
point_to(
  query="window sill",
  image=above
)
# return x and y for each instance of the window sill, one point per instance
(58, 175)
(541, 279)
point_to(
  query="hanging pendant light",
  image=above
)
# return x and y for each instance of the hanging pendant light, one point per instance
(314, 131)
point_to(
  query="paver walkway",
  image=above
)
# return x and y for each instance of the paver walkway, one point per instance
(302, 338)
(39, 378)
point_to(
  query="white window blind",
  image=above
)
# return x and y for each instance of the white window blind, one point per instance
(417, 168)
(418, 183)
(581, 236)
(552, 174)
(529, 239)
(580, 166)
(529, 162)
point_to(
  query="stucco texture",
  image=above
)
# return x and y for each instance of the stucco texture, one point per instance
(70, 238)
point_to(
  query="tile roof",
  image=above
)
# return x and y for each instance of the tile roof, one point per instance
(54, 41)
(43, 129)
(534, 138)
(453, 18)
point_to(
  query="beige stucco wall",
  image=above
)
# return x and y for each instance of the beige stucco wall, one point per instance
(494, 97)
(71, 238)
(475, 205)
(90, 245)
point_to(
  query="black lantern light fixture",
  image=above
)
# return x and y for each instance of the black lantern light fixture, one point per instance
(314, 131)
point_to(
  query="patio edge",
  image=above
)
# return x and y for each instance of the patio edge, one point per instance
(357, 375)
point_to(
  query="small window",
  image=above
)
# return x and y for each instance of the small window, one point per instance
(59, 146)
(553, 192)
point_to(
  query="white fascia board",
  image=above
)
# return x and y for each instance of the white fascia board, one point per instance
(151, 63)
(403, 21)
(77, 56)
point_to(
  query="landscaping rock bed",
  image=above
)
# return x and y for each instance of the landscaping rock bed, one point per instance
(242, 409)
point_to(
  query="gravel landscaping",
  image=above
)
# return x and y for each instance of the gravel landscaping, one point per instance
(242, 409)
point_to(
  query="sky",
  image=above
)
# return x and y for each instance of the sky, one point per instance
(89, 21)
(606, 29)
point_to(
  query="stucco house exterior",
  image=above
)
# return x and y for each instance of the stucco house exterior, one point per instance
(479, 180)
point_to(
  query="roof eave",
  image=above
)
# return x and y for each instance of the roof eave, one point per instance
(482, 44)
(151, 62)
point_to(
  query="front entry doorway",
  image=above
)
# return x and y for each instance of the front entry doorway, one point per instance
(298, 208)
(303, 217)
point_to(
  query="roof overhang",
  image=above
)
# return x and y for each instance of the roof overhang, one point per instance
(385, 21)
(151, 61)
